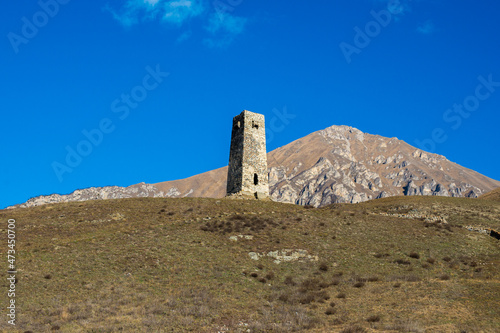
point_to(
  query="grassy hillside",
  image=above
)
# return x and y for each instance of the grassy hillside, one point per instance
(492, 195)
(400, 264)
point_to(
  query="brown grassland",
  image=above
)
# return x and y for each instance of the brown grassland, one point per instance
(169, 265)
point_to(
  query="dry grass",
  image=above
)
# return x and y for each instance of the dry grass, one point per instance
(168, 265)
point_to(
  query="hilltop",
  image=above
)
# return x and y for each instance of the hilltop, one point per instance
(207, 265)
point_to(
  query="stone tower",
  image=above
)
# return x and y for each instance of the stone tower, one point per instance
(247, 171)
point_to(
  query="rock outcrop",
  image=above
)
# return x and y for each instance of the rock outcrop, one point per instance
(99, 193)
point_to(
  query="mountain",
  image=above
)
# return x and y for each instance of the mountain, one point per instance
(339, 164)
(492, 195)
(342, 164)
(96, 193)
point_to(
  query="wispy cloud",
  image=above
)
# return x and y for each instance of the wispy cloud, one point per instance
(396, 7)
(222, 26)
(426, 28)
(177, 12)
(174, 12)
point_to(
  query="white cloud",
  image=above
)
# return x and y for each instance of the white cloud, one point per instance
(171, 11)
(222, 26)
(426, 28)
(177, 12)
(184, 36)
(220, 21)
(151, 2)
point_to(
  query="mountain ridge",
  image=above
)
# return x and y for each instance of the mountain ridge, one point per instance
(339, 164)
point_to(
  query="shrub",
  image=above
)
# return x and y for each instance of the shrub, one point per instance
(270, 276)
(397, 285)
(335, 282)
(323, 267)
(289, 281)
(254, 275)
(447, 259)
(373, 319)
(332, 304)
(444, 277)
(260, 266)
(431, 260)
(359, 284)
(262, 280)
(330, 311)
(309, 285)
(323, 285)
(340, 295)
(373, 279)
(402, 262)
(306, 299)
(414, 255)
(353, 329)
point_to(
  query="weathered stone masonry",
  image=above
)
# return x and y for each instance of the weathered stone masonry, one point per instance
(247, 171)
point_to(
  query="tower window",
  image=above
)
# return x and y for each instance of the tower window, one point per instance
(255, 179)
(238, 124)
(254, 125)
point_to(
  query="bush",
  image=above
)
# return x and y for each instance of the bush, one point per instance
(323, 267)
(444, 277)
(340, 295)
(330, 311)
(373, 319)
(431, 260)
(335, 282)
(289, 281)
(414, 255)
(447, 259)
(359, 284)
(306, 299)
(353, 329)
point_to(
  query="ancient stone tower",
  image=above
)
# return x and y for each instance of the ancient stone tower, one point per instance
(247, 171)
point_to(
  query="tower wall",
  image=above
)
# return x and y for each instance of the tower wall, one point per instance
(247, 171)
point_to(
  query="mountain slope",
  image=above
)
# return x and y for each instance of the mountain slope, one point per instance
(399, 264)
(342, 164)
(492, 195)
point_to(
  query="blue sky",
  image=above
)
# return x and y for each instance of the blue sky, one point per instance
(146, 90)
